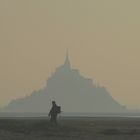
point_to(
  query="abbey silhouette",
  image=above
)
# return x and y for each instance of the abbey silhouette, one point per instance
(69, 88)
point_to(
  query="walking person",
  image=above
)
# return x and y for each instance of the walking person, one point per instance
(55, 110)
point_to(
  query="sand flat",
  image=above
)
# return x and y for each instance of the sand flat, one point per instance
(70, 128)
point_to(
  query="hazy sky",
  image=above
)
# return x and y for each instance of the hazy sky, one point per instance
(102, 36)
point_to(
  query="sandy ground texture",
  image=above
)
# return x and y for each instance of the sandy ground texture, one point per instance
(70, 129)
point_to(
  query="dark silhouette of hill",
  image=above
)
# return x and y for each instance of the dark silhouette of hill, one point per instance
(69, 89)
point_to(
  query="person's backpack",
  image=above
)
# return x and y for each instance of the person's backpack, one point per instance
(58, 109)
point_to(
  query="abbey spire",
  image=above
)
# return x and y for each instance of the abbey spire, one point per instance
(67, 61)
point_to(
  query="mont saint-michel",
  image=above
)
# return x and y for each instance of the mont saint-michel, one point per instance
(71, 90)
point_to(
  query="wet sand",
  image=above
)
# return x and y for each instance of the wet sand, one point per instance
(70, 128)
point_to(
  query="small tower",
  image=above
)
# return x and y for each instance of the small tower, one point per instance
(67, 61)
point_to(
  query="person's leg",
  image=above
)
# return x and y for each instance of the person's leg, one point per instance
(55, 119)
(51, 119)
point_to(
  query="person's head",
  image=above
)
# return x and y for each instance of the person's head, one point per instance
(53, 103)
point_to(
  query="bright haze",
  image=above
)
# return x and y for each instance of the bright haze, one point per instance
(102, 38)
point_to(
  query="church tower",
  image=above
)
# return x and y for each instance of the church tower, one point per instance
(67, 61)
